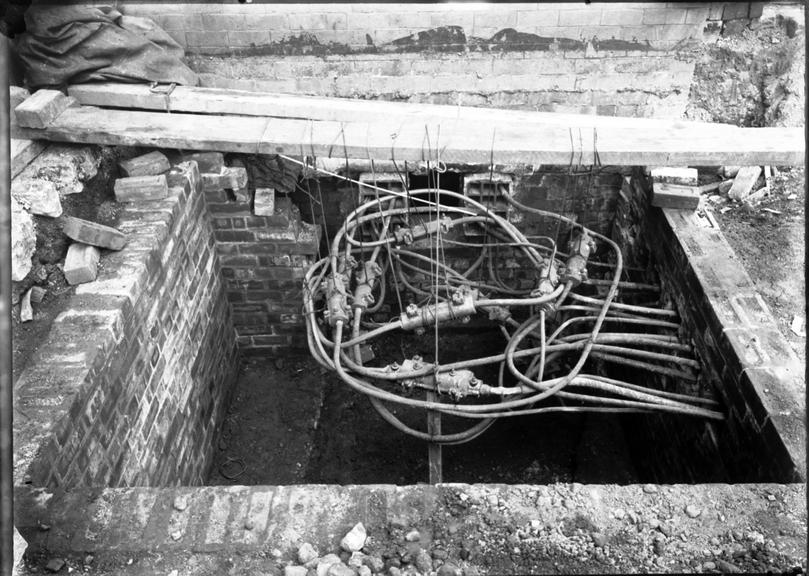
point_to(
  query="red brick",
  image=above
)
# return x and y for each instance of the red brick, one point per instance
(92, 233)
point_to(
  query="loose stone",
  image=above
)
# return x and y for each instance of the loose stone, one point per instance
(306, 553)
(355, 539)
(413, 536)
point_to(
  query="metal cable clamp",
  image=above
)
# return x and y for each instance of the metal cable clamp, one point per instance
(155, 88)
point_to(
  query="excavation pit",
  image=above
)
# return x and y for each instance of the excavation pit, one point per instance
(111, 459)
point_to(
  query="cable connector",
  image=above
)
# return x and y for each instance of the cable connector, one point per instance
(580, 247)
(336, 302)
(366, 277)
(461, 305)
(409, 235)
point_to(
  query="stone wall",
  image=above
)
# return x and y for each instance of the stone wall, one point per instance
(626, 59)
(130, 385)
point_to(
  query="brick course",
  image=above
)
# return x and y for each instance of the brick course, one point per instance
(346, 51)
(132, 381)
(746, 360)
(263, 261)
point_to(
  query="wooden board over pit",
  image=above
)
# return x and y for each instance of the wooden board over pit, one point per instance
(532, 139)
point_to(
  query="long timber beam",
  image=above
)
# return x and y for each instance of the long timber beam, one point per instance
(449, 140)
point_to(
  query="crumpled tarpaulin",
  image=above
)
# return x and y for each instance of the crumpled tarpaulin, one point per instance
(76, 44)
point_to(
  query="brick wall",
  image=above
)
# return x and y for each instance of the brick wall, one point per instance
(745, 359)
(263, 259)
(211, 27)
(626, 59)
(132, 381)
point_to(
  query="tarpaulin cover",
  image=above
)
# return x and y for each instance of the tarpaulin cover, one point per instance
(75, 44)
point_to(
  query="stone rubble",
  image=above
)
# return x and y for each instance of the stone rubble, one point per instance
(23, 241)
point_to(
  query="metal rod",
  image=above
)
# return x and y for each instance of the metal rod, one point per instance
(6, 398)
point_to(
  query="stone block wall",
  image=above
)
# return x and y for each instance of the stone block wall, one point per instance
(749, 364)
(131, 384)
(626, 59)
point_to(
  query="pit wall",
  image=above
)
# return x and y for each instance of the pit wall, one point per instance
(133, 379)
(264, 258)
(746, 360)
(626, 59)
(589, 200)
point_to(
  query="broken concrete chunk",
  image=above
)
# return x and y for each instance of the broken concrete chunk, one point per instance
(68, 167)
(37, 196)
(37, 294)
(55, 565)
(355, 539)
(242, 194)
(233, 178)
(42, 108)
(675, 196)
(340, 570)
(141, 188)
(81, 263)
(744, 182)
(326, 562)
(26, 312)
(229, 179)
(150, 164)
(729, 171)
(93, 233)
(23, 241)
(264, 203)
(306, 553)
(725, 186)
(757, 196)
(208, 162)
(182, 174)
(681, 176)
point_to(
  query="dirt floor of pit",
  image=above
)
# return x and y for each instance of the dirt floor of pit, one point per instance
(289, 423)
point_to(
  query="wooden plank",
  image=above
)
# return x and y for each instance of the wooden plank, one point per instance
(666, 195)
(434, 456)
(42, 108)
(90, 125)
(267, 104)
(23, 152)
(744, 182)
(455, 141)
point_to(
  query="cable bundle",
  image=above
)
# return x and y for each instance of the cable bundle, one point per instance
(551, 329)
